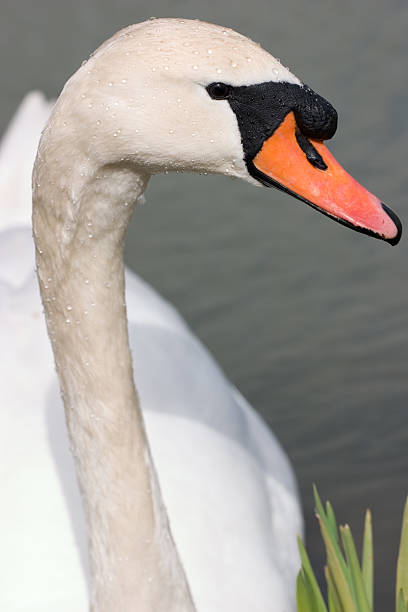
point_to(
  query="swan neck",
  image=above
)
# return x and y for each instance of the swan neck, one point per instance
(79, 231)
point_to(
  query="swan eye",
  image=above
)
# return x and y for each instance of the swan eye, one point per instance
(219, 91)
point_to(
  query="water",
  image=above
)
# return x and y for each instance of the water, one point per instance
(306, 317)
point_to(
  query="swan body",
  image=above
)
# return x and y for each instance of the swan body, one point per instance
(190, 503)
(227, 485)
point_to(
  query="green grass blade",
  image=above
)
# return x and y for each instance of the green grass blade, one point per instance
(332, 595)
(333, 537)
(310, 580)
(336, 569)
(402, 566)
(401, 607)
(331, 518)
(359, 591)
(304, 600)
(368, 559)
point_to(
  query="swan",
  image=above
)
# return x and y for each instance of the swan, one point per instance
(215, 528)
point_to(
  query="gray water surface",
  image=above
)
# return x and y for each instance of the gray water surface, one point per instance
(306, 317)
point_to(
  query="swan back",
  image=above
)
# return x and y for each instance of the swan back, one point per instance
(17, 153)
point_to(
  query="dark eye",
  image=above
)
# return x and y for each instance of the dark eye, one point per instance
(219, 91)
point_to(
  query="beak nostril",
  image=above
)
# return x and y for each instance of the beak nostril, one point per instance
(312, 155)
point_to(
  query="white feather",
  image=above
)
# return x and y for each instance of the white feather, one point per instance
(227, 485)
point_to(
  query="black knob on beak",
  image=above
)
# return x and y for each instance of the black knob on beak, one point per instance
(315, 117)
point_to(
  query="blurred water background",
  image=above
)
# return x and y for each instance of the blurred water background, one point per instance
(307, 318)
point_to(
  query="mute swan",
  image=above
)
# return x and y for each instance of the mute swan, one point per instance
(152, 99)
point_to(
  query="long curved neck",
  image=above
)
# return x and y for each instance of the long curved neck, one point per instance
(79, 232)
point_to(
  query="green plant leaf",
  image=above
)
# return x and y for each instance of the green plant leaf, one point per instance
(368, 559)
(332, 595)
(304, 601)
(402, 565)
(323, 519)
(310, 580)
(331, 519)
(336, 569)
(349, 585)
(401, 606)
(359, 591)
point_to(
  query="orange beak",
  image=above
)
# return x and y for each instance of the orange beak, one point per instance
(306, 169)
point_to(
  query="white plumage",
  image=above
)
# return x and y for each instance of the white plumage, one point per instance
(227, 485)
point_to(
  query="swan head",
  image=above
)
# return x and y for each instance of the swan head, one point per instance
(181, 95)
